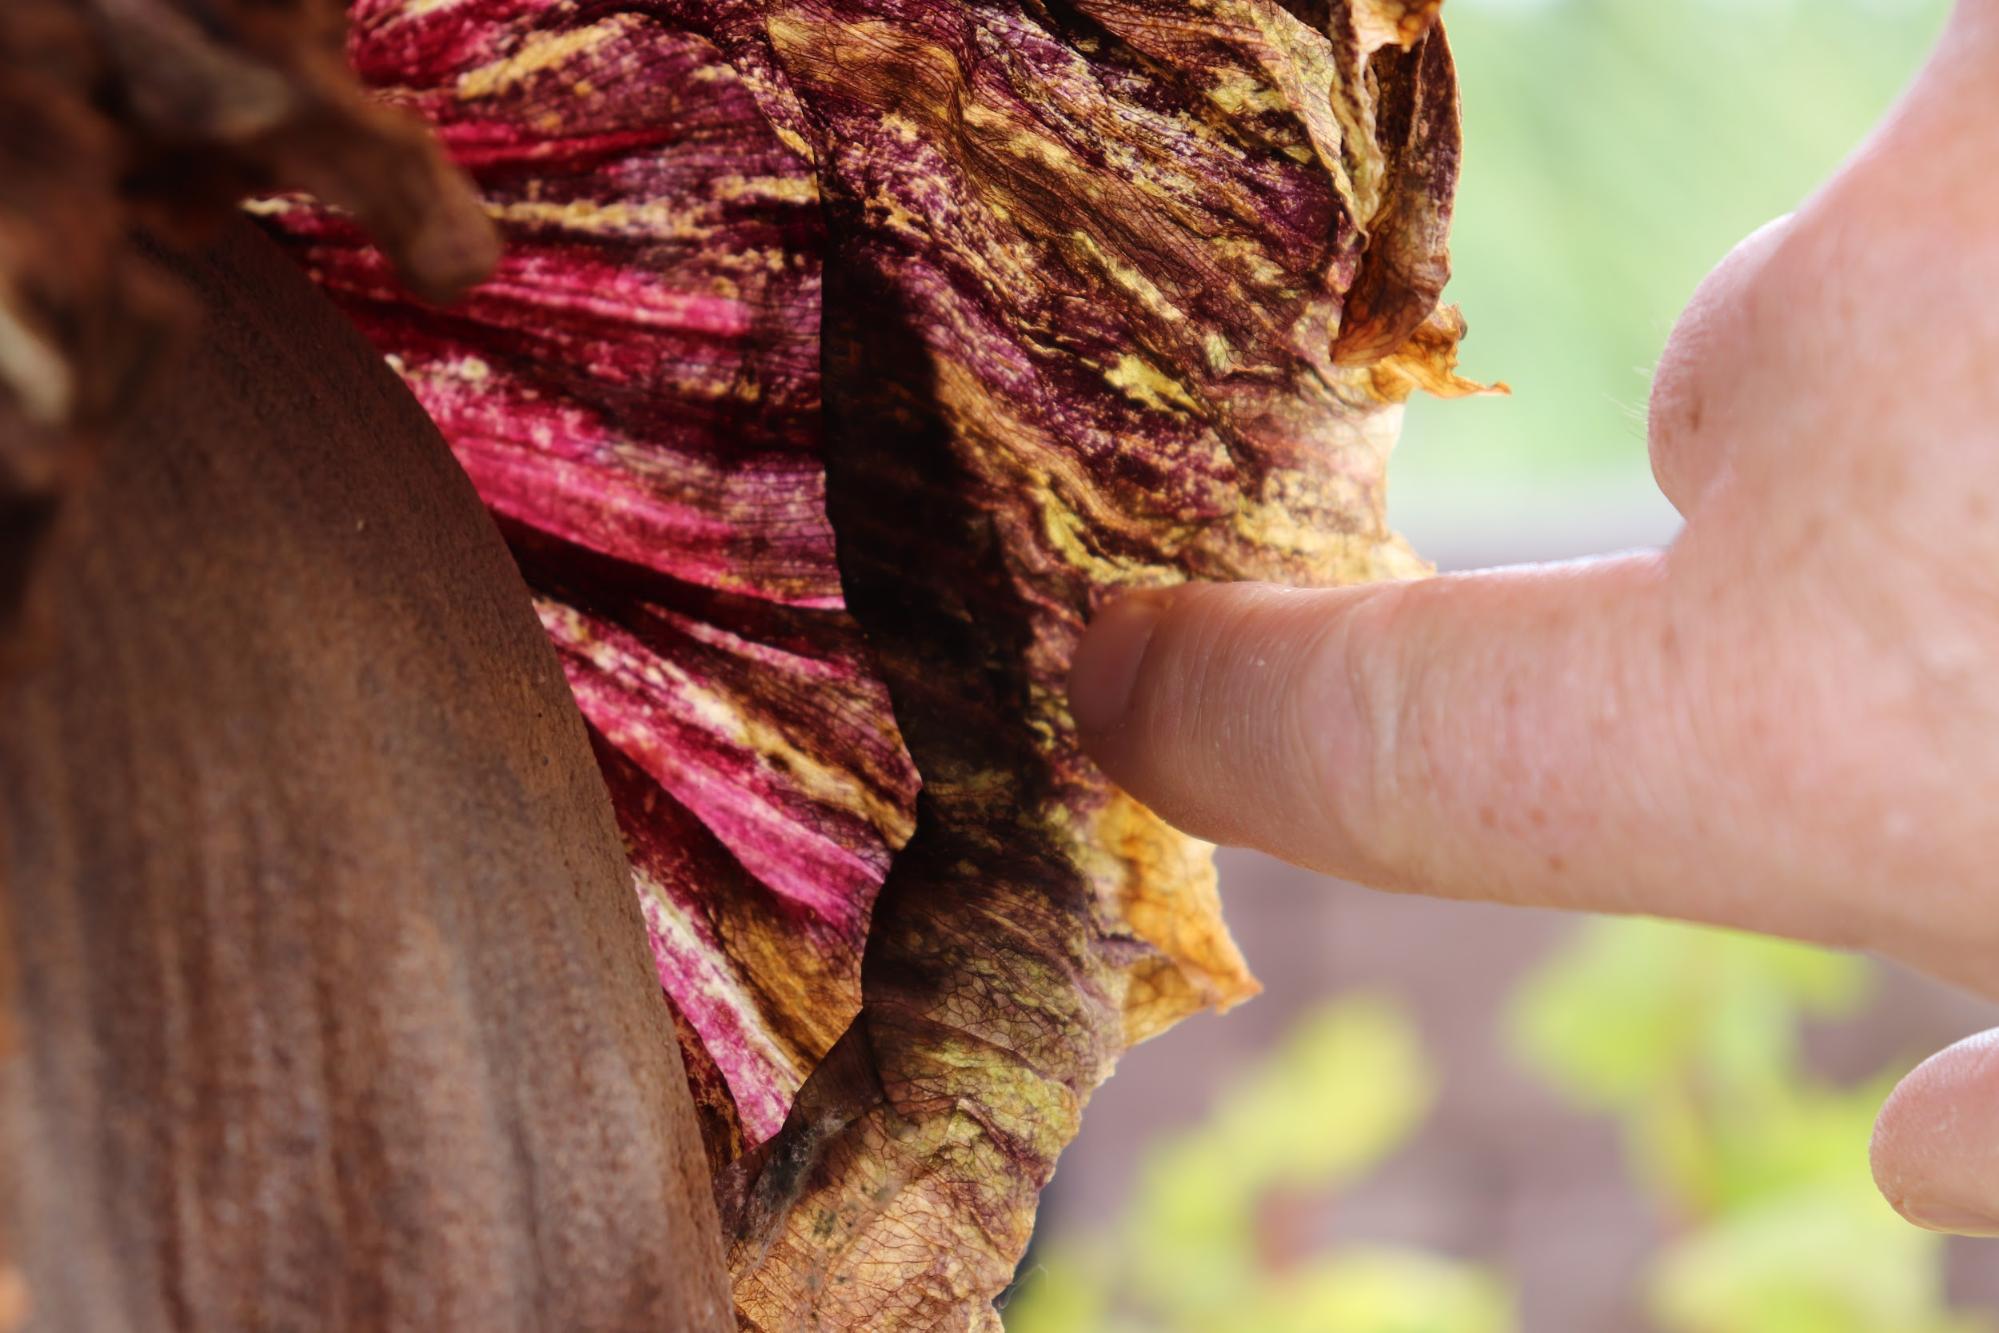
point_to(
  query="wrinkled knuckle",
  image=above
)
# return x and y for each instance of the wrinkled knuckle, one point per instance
(1677, 428)
(1698, 387)
(1354, 717)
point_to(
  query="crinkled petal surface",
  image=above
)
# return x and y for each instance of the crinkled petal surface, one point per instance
(636, 394)
(1034, 302)
(1087, 271)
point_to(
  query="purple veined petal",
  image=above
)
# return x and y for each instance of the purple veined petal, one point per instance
(1036, 303)
(1088, 273)
(635, 393)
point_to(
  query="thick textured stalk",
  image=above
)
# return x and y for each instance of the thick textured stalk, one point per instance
(328, 1003)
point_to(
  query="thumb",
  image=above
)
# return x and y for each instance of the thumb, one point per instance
(1520, 735)
(1936, 1146)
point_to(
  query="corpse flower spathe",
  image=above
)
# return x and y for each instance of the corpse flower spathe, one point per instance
(844, 356)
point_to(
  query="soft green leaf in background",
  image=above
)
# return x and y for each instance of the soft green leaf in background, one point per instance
(1202, 1246)
(1691, 1039)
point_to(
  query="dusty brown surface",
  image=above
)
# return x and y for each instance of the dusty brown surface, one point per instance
(329, 1003)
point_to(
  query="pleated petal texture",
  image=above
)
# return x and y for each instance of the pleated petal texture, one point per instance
(1024, 303)
(1088, 281)
(636, 394)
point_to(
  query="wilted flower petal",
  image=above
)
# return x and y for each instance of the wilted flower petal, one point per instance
(1087, 277)
(636, 394)
(1035, 302)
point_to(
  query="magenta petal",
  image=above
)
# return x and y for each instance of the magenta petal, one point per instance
(636, 396)
(1105, 294)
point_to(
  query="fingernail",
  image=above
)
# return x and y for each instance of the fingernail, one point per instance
(1954, 1221)
(1107, 661)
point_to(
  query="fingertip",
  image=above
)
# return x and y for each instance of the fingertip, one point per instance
(1105, 670)
(1935, 1151)
(1492, 736)
(1182, 697)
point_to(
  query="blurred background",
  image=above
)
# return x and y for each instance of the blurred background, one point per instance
(1456, 1119)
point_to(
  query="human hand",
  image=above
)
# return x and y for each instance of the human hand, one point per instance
(1787, 722)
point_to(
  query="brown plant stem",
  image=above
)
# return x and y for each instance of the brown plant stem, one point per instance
(325, 994)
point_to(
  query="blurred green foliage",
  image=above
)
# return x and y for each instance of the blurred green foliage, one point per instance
(1203, 1247)
(1691, 1039)
(1615, 150)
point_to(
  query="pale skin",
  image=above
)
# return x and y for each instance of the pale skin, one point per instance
(1788, 721)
